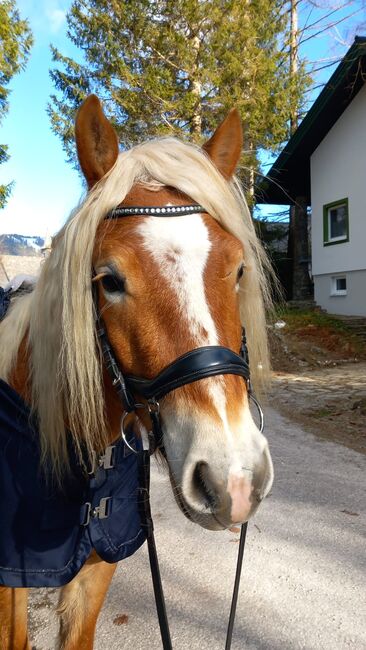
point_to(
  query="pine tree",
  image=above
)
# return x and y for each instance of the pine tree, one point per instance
(176, 67)
(15, 43)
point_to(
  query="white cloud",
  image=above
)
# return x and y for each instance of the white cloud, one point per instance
(46, 16)
(56, 16)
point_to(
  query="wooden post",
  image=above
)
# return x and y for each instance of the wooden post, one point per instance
(301, 284)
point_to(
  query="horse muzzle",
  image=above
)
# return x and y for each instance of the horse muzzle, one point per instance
(215, 502)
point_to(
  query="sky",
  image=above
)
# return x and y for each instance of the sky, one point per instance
(46, 187)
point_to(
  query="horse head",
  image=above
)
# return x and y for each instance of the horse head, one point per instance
(166, 286)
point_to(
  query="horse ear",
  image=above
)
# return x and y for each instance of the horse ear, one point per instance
(225, 145)
(96, 140)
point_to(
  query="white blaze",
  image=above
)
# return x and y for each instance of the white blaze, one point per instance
(180, 246)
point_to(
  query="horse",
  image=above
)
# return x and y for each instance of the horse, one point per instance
(163, 286)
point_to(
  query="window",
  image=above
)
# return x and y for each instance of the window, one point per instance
(338, 285)
(335, 222)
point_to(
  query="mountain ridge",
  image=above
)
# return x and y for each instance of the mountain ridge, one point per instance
(22, 245)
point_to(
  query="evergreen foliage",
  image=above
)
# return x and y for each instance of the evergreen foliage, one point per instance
(15, 43)
(177, 66)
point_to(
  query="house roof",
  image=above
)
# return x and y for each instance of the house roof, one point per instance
(289, 176)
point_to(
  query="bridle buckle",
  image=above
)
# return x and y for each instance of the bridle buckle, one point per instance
(153, 406)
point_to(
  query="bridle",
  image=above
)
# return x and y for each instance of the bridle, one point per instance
(200, 363)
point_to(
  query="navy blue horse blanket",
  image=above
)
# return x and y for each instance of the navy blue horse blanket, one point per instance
(46, 534)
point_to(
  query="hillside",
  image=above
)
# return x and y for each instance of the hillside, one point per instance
(25, 245)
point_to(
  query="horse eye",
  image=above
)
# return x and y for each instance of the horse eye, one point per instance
(112, 284)
(240, 272)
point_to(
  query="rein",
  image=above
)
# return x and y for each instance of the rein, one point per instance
(196, 364)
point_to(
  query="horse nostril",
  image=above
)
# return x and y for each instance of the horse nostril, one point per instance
(264, 477)
(203, 485)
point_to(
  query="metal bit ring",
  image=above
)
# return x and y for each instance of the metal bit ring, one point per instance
(260, 412)
(123, 435)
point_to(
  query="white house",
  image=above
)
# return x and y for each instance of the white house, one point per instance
(324, 165)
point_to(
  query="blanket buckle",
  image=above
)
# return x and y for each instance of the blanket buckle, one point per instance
(97, 512)
(104, 461)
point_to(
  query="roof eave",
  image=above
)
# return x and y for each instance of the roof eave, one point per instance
(289, 177)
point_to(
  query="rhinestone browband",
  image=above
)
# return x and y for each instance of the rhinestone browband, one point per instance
(154, 211)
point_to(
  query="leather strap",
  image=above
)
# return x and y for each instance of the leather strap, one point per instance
(192, 366)
(114, 371)
(147, 522)
(234, 598)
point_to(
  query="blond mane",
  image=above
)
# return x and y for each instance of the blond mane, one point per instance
(57, 318)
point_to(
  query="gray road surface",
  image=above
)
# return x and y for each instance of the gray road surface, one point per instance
(304, 577)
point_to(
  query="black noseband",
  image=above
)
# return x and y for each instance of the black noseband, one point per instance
(196, 364)
(192, 366)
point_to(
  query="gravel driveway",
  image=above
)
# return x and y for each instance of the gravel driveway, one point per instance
(329, 401)
(304, 575)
